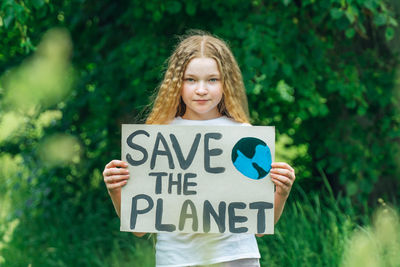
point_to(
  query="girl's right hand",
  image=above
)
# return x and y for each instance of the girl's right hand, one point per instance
(115, 175)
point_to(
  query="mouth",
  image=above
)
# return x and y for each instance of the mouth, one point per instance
(200, 100)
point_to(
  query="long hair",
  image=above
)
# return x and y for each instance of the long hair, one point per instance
(169, 104)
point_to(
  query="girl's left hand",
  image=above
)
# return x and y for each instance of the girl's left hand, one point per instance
(283, 176)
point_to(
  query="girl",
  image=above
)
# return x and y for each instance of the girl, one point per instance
(202, 86)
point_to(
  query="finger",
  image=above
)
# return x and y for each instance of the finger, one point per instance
(283, 165)
(116, 185)
(282, 179)
(283, 189)
(280, 184)
(116, 163)
(284, 172)
(116, 178)
(115, 171)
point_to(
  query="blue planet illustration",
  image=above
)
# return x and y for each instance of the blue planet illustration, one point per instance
(252, 157)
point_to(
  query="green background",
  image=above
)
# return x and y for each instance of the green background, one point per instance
(323, 72)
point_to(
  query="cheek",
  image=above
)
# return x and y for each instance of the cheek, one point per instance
(185, 93)
(217, 92)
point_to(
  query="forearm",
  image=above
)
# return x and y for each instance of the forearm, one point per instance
(283, 176)
(280, 201)
(278, 208)
(116, 200)
(116, 176)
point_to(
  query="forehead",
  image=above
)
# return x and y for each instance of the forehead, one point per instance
(202, 66)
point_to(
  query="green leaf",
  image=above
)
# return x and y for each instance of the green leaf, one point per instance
(37, 3)
(336, 13)
(389, 33)
(370, 4)
(393, 21)
(8, 20)
(190, 8)
(351, 188)
(253, 62)
(285, 91)
(350, 33)
(173, 7)
(287, 69)
(157, 15)
(257, 89)
(351, 14)
(361, 110)
(380, 19)
(286, 2)
(7, 3)
(362, 28)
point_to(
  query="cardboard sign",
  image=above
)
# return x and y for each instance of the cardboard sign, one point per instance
(198, 179)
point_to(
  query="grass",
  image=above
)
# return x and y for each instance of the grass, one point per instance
(314, 230)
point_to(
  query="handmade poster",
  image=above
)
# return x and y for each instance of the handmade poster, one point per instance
(198, 179)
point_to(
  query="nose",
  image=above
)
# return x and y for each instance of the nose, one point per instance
(201, 88)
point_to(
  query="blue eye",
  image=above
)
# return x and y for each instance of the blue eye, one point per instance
(189, 80)
(213, 80)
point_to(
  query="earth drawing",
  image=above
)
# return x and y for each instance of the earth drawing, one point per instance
(252, 157)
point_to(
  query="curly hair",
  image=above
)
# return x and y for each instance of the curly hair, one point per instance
(169, 104)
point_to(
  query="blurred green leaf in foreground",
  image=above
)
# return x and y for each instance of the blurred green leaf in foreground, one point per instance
(29, 95)
(376, 245)
(39, 83)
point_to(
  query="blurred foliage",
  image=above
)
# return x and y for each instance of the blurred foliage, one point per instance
(323, 72)
(378, 244)
(313, 231)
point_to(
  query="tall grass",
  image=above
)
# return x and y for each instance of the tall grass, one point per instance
(65, 235)
(314, 230)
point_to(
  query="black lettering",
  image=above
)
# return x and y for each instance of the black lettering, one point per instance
(159, 225)
(165, 152)
(185, 163)
(185, 215)
(135, 211)
(132, 145)
(211, 152)
(178, 183)
(233, 219)
(261, 207)
(218, 218)
(158, 176)
(186, 183)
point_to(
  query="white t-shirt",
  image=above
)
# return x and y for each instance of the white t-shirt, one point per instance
(179, 249)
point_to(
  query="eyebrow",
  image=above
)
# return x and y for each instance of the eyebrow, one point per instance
(211, 75)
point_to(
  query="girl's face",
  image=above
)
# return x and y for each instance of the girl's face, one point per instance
(202, 89)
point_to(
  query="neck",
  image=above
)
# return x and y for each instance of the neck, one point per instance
(200, 117)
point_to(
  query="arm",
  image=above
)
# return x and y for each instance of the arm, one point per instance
(283, 176)
(279, 206)
(116, 175)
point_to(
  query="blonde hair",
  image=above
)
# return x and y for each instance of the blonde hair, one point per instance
(169, 104)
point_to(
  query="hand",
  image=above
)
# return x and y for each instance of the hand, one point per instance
(115, 175)
(283, 176)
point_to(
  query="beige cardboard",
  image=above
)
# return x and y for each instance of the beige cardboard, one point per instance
(231, 186)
